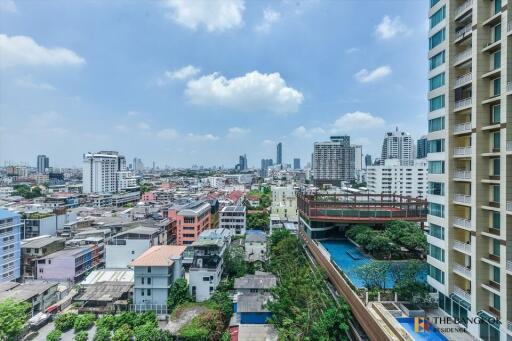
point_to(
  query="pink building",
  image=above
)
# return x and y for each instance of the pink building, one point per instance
(148, 196)
(191, 220)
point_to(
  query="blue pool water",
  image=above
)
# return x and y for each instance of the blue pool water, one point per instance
(348, 257)
(431, 335)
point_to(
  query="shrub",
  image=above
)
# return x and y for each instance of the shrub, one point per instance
(102, 334)
(123, 334)
(106, 322)
(54, 335)
(65, 322)
(81, 336)
(83, 322)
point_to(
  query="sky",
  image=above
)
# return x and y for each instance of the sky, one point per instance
(199, 82)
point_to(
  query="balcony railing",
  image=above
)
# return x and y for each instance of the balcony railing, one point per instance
(462, 127)
(463, 8)
(463, 103)
(462, 198)
(509, 146)
(462, 293)
(509, 26)
(461, 80)
(462, 269)
(466, 223)
(463, 31)
(463, 56)
(509, 265)
(509, 206)
(462, 151)
(460, 246)
(462, 174)
(509, 86)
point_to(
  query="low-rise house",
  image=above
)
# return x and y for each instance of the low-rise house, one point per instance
(233, 218)
(252, 296)
(39, 294)
(154, 273)
(46, 222)
(255, 246)
(253, 200)
(69, 264)
(208, 262)
(34, 248)
(126, 246)
(260, 282)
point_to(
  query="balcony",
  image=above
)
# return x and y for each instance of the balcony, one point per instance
(462, 128)
(463, 56)
(509, 265)
(462, 198)
(463, 8)
(462, 247)
(461, 33)
(509, 206)
(464, 79)
(462, 174)
(509, 146)
(462, 151)
(462, 222)
(463, 103)
(462, 270)
(465, 295)
(509, 86)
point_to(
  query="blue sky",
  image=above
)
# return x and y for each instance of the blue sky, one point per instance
(184, 82)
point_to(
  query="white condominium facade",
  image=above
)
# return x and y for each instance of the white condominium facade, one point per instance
(398, 145)
(105, 172)
(470, 163)
(334, 161)
(394, 178)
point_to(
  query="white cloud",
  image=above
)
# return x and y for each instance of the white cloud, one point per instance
(215, 15)
(200, 138)
(270, 17)
(303, 132)
(357, 120)
(167, 134)
(28, 82)
(268, 143)
(253, 92)
(184, 73)
(365, 76)
(23, 50)
(143, 126)
(46, 124)
(236, 132)
(388, 28)
(8, 6)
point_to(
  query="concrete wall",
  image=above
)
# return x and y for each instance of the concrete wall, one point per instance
(120, 256)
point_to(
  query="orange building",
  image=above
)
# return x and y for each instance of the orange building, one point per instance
(191, 220)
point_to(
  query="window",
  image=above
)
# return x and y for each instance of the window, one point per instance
(497, 6)
(496, 60)
(436, 124)
(495, 193)
(496, 87)
(435, 188)
(436, 167)
(142, 292)
(496, 247)
(206, 279)
(142, 280)
(436, 60)
(433, 3)
(436, 274)
(496, 166)
(436, 209)
(496, 30)
(436, 103)
(495, 114)
(148, 292)
(496, 137)
(496, 302)
(436, 146)
(438, 16)
(436, 252)
(436, 81)
(149, 269)
(189, 220)
(436, 39)
(149, 280)
(436, 231)
(496, 274)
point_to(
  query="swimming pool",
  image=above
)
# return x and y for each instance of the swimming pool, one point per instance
(348, 257)
(429, 335)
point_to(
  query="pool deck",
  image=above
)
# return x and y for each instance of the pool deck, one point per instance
(458, 336)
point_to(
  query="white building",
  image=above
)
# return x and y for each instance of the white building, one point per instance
(126, 180)
(393, 177)
(233, 218)
(284, 203)
(333, 161)
(105, 172)
(398, 145)
(358, 163)
(126, 246)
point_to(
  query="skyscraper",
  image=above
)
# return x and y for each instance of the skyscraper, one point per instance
(43, 163)
(469, 163)
(265, 164)
(137, 166)
(368, 160)
(421, 147)
(398, 145)
(242, 163)
(333, 161)
(105, 172)
(279, 159)
(296, 163)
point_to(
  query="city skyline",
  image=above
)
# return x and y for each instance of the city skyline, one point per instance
(169, 110)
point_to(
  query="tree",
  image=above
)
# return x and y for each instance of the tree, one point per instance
(106, 322)
(380, 244)
(259, 220)
(83, 322)
(407, 283)
(122, 334)
(373, 274)
(102, 334)
(27, 192)
(13, 316)
(234, 262)
(277, 236)
(332, 324)
(406, 234)
(54, 335)
(81, 336)
(178, 294)
(65, 322)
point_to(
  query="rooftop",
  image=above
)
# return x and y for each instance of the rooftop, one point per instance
(260, 280)
(212, 237)
(143, 230)
(25, 291)
(160, 255)
(106, 291)
(233, 209)
(39, 242)
(252, 303)
(71, 252)
(255, 236)
(109, 275)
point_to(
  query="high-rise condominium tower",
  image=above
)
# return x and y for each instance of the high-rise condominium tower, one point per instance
(279, 159)
(334, 161)
(43, 163)
(470, 163)
(398, 145)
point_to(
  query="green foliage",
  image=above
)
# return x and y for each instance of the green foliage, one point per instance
(83, 322)
(54, 335)
(373, 274)
(381, 245)
(102, 334)
(13, 316)
(224, 303)
(234, 262)
(65, 322)
(144, 187)
(277, 236)
(332, 324)
(148, 332)
(407, 284)
(81, 336)
(125, 318)
(258, 220)
(106, 322)
(406, 234)
(178, 294)
(226, 336)
(209, 325)
(124, 333)
(27, 192)
(358, 230)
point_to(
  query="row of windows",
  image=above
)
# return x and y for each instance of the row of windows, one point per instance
(437, 17)
(437, 60)
(435, 188)
(436, 231)
(436, 274)
(436, 39)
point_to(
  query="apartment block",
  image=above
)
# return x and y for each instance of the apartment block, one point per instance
(233, 218)
(470, 163)
(333, 161)
(35, 248)
(10, 251)
(191, 219)
(126, 246)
